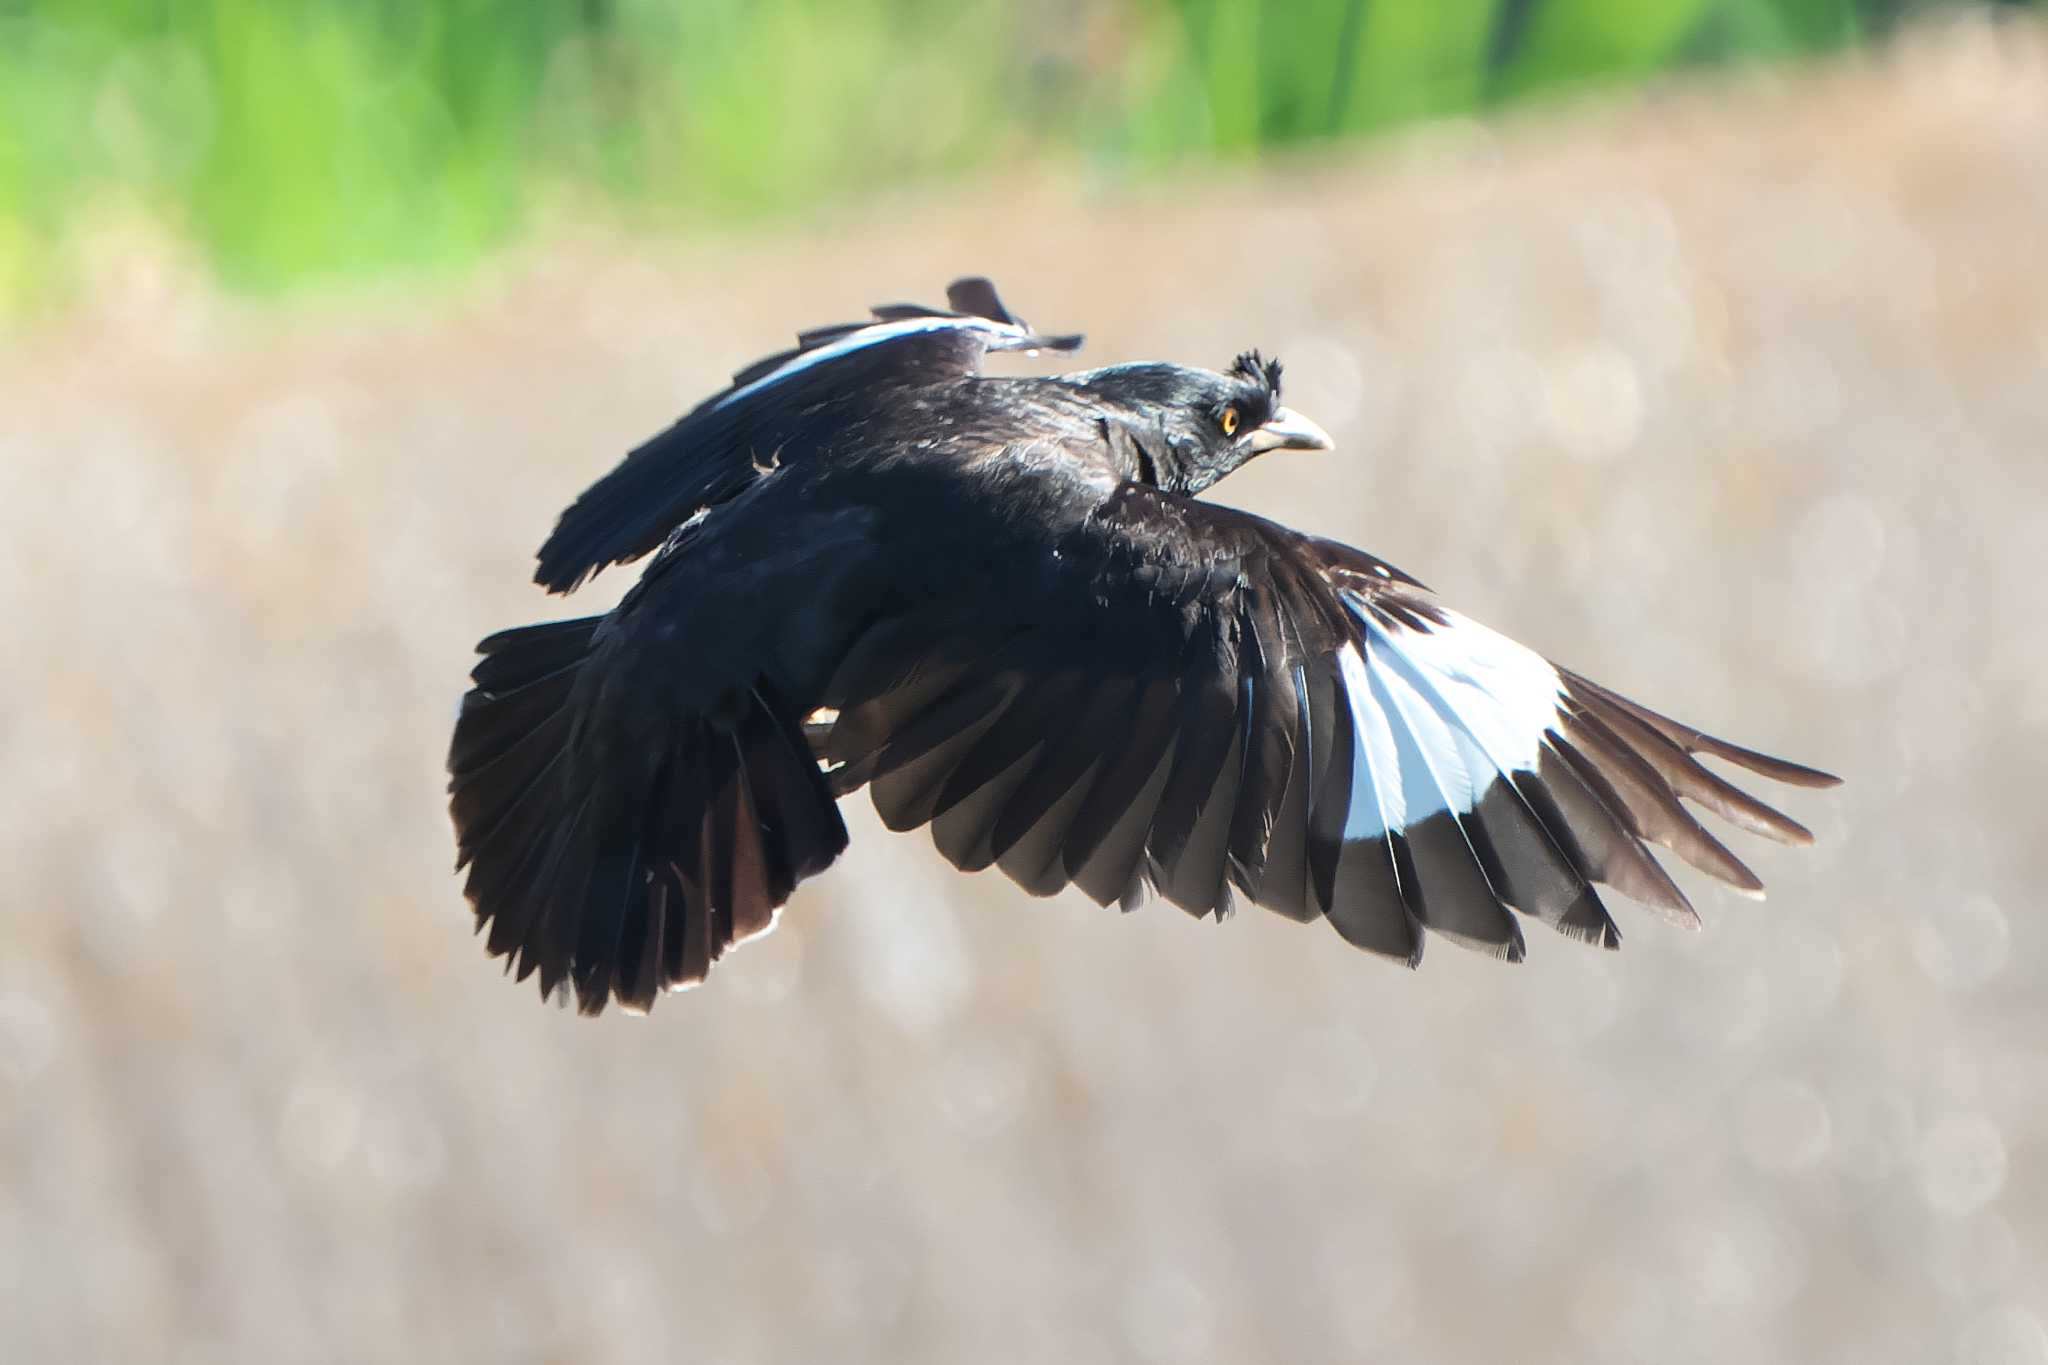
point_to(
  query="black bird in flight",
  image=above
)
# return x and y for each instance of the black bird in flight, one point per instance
(996, 604)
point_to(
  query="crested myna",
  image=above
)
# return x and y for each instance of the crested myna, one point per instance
(995, 603)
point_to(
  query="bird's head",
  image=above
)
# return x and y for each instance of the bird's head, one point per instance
(1195, 426)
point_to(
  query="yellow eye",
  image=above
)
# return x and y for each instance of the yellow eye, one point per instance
(1229, 420)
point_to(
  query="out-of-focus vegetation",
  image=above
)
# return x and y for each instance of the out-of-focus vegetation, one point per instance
(323, 139)
(1735, 398)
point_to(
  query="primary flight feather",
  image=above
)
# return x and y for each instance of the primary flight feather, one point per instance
(995, 603)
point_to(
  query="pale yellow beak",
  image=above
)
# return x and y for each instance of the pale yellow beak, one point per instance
(1287, 429)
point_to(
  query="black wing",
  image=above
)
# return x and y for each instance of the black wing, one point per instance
(779, 409)
(1192, 700)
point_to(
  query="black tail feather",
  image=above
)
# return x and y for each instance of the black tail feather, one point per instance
(617, 883)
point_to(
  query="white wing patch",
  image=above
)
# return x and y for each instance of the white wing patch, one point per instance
(1376, 791)
(1438, 713)
(1002, 336)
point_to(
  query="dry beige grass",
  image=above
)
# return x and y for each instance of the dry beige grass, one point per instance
(1736, 398)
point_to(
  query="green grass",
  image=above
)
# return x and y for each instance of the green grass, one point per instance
(296, 144)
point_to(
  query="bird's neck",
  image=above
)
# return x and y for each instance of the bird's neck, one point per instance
(1145, 452)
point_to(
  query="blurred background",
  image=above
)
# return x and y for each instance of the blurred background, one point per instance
(1702, 344)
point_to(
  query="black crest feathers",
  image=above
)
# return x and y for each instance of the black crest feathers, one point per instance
(1259, 370)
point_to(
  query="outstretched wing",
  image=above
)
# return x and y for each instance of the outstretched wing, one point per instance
(779, 409)
(1199, 702)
